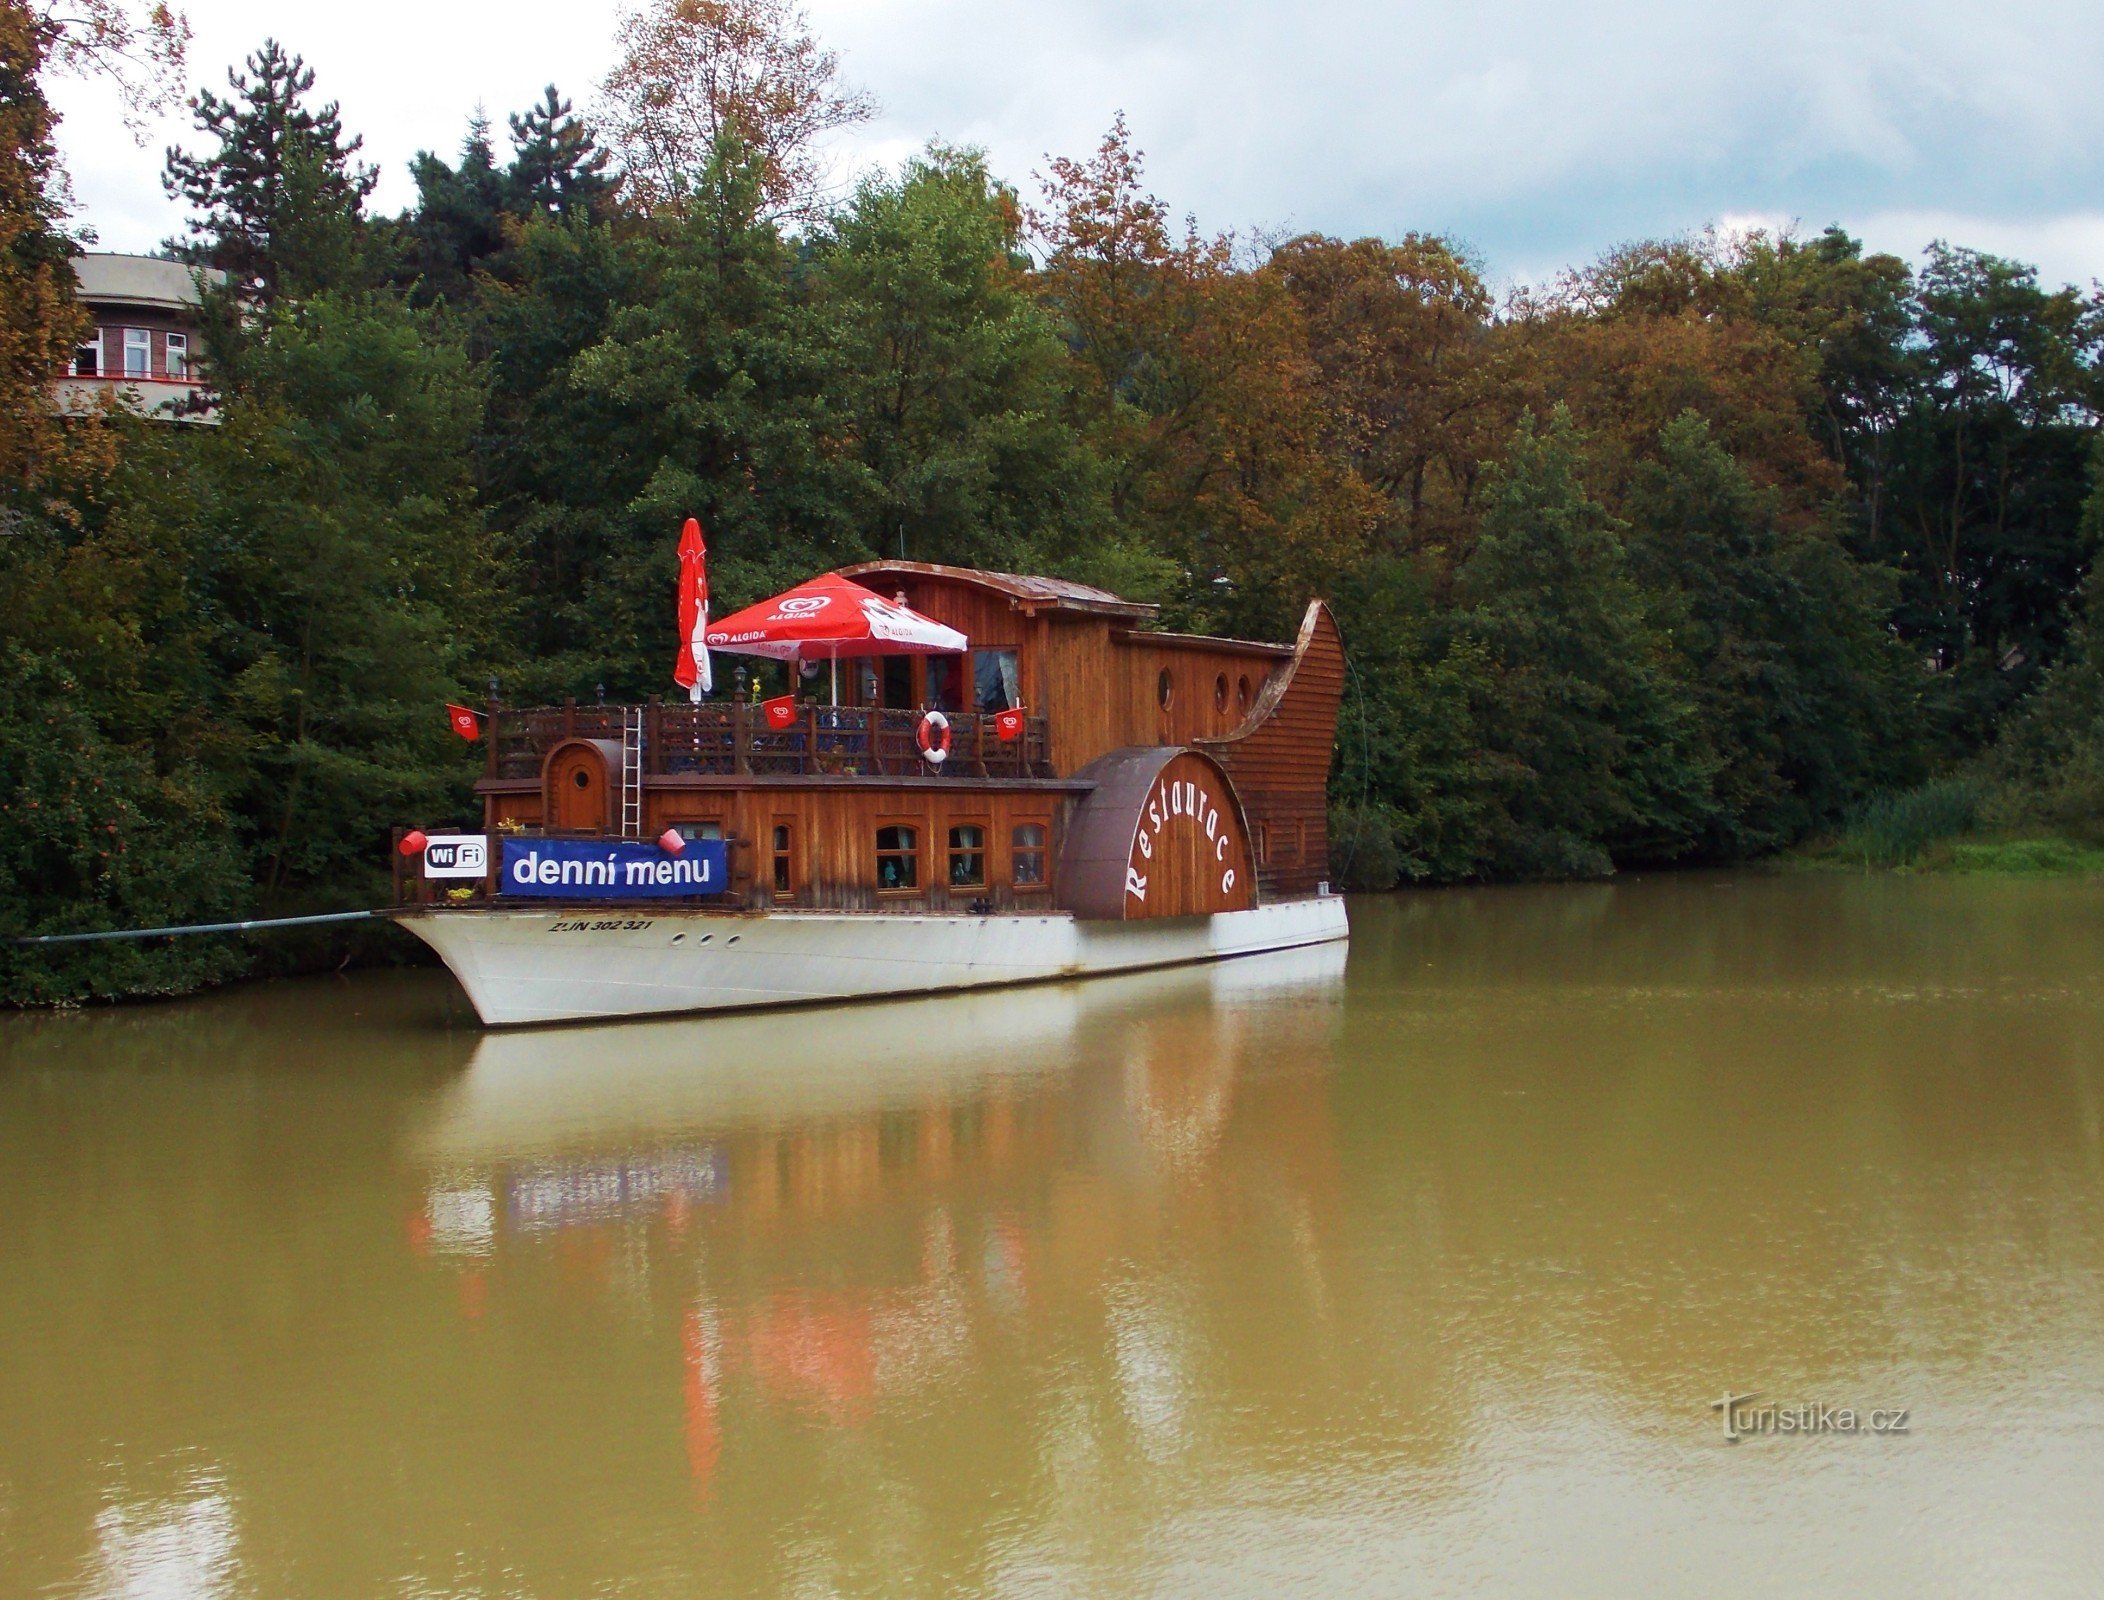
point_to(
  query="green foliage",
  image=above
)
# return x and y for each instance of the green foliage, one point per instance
(1593, 744)
(1686, 617)
(1897, 828)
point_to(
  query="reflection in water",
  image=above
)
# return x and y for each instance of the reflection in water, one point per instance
(181, 1549)
(1415, 1275)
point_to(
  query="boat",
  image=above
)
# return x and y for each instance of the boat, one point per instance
(1013, 779)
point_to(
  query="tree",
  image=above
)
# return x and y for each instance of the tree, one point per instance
(1401, 336)
(142, 57)
(1803, 696)
(1593, 753)
(1193, 384)
(276, 203)
(691, 70)
(557, 167)
(955, 372)
(39, 322)
(459, 222)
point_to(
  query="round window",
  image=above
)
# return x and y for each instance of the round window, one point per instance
(1220, 692)
(1164, 690)
(1241, 694)
(581, 778)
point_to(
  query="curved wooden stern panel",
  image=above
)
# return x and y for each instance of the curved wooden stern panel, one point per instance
(1161, 835)
(1279, 759)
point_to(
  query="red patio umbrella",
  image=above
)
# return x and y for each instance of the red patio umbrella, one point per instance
(691, 670)
(830, 617)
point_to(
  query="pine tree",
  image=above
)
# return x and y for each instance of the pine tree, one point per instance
(275, 201)
(458, 224)
(558, 170)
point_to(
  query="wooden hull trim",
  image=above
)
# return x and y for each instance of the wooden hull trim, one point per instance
(580, 963)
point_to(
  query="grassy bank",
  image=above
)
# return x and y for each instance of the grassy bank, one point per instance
(1954, 824)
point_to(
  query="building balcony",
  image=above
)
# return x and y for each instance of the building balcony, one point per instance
(163, 397)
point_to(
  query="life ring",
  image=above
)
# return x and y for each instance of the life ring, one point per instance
(933, 736)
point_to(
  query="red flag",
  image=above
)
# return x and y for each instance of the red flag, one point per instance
(1009, 724)
(690, 670)
(781, 710)
(465, 722)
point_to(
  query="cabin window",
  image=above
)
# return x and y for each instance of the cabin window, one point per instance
(995, 683)
(1220, 692)
(1164, 690)
(1028, 846)
(1242, 693)
(138, 352)
(690, 831)
(945, 682)
(968, 856)
(784, 860)
(178, 355)
(898, 859)
(87, 360)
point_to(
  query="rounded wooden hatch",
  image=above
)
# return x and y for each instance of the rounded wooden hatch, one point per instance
(577, 781)
(1161, 835)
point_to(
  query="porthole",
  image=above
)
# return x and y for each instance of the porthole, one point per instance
(705, 938)
(678, 938)
(1220, 692)
(1242, 694)
(1164, 690)
(734, 938)
(581, 778)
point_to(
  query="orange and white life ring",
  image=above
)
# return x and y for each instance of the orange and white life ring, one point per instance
(933, 735)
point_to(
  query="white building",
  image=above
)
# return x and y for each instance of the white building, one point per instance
(144, 350)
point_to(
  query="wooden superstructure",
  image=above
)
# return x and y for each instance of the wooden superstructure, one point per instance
(1227, 740)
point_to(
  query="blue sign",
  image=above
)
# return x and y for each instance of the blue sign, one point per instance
(611, 869)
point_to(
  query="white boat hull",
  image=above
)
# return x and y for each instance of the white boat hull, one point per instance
(578, 963)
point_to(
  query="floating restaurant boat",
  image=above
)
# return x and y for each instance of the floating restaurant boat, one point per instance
(1017, 779)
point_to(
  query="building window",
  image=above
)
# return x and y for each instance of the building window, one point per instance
(1028, 847)
(898, 859)
(1220, 692)
(87, 360)
(784, 864)
(138, 353)
(178, 355)
(1164, 690)
(995, 684)
(1242, 694)
(968, 856)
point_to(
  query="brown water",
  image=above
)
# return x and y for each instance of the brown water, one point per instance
(1415, 1275)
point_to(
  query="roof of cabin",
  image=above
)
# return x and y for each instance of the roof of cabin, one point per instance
(1050, 594)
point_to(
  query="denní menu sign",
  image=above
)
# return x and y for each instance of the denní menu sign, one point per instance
(611, 869)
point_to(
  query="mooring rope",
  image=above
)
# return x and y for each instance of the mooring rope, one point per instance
(198, 927)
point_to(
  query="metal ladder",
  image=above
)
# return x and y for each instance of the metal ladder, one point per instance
(632, 772)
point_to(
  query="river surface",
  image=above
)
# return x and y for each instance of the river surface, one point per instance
(1410, 1273)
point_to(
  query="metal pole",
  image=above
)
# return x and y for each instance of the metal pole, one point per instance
(200, 927)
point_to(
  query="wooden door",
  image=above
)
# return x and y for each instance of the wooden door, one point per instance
(577, 785)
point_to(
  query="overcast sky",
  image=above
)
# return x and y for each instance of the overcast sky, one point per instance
(1541, 133)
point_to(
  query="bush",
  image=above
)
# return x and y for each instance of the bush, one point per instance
(1363, 854)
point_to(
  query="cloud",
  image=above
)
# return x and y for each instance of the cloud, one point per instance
(1541, 132)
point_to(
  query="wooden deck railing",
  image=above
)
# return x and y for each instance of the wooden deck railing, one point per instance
(732, 738)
